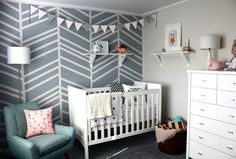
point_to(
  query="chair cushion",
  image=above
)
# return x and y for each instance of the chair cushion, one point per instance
(49, 142)
(39, 122)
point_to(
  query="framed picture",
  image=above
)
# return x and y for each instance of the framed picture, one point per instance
(173, 37)
(103, 46)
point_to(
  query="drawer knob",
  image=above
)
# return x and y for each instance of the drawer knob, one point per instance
(231, 116)
(203, 81)
(233, 100)
(230, 132)
(200, 137)
(201, 123)
(201, 109)
(202, 95)
(200, 153)
(234, 83)
(229, 147)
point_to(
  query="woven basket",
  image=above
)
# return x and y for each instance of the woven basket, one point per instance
(175, 145)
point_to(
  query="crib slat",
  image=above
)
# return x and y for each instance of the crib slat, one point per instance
(102, 131)
(157, 108)
(143, 112)
(109, 130)
(152, 104)
(132, 114)
(137, 112)
(147, 110)
(95, 133)
(126, 114)
(89, 130)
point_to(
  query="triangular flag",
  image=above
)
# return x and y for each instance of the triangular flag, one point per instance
(86, 27)
(59, 21)
(33, 9)
(69, 23)
(51, 17)
(104, 28)
(141, 21)
(134, 24)
(95, 28)
(78, 25)
(127, 25)
(112, 27)
(154, 16)
(41, 13)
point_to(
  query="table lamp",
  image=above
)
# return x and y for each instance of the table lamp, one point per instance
(21, 56)
(209, 42)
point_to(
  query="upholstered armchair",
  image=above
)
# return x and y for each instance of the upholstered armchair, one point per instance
(37, 147)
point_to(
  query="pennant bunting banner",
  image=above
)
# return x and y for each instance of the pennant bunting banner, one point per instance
(95, 28)
(127, 25)
(104, 28)
(41, 13)
(51, 17)
(112, 27)
(33, 9)
(141, 21)
(78, 25)
(59, 21)
(69, 23)
(134, 24)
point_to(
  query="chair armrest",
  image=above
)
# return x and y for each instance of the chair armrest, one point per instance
(22, 148)
(66, 130)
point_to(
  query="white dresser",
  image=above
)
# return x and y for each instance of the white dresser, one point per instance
(211, 115)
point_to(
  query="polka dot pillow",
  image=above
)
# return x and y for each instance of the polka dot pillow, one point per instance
(39, 122)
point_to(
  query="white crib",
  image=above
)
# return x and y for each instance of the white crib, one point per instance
(139, 113)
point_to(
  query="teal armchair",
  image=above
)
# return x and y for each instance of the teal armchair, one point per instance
(46, 146)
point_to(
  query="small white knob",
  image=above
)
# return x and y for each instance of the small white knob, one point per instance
(231, 116)
(230, 132)
(201, 123)
(200, 153)
(201, 109)
(200, 137)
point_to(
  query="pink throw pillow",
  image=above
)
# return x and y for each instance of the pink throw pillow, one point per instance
(39, 122)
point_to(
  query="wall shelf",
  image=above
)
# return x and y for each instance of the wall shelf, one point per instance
(159, 55)
(92, 57)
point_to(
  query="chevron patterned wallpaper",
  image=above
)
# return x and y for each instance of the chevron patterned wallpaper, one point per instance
(57, 56)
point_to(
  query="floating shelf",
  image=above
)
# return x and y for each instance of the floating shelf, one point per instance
(184, 54)
(92, 57)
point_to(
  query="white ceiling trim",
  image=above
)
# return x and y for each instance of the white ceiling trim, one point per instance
(166, 7)
(59, 4)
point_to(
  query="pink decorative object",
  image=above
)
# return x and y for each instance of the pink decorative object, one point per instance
(216, 65)
(39, 122)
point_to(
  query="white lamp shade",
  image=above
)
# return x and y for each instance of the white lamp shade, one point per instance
(209, 42)
(18, 55)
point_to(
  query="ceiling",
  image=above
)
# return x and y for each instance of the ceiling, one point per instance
(138, 7)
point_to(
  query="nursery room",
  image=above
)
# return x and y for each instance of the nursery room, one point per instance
(127, 79)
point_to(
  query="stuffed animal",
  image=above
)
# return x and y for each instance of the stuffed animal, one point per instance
(122, 49)
(232, 64)
(96, 48)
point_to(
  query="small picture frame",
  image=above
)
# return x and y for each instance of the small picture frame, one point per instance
(104, 47)
(173, 37)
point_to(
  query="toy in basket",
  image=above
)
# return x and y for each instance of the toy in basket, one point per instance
(171, 136)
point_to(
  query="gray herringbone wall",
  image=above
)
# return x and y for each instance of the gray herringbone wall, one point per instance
(57, 56)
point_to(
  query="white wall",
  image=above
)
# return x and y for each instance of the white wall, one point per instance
(198, 18)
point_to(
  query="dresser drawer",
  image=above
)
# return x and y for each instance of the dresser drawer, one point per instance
(216, 127)
(204, 80)
(214, 112)
(213, 141)
(203, 95)
(226, 98)
(227, 82)
(199, 151)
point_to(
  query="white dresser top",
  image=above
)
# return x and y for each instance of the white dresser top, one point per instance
(212, 72)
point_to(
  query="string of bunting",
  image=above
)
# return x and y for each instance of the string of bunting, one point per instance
(78, 25)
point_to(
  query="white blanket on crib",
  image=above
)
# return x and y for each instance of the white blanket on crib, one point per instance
(99, 105)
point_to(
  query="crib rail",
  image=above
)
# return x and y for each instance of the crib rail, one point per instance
(138, 114)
